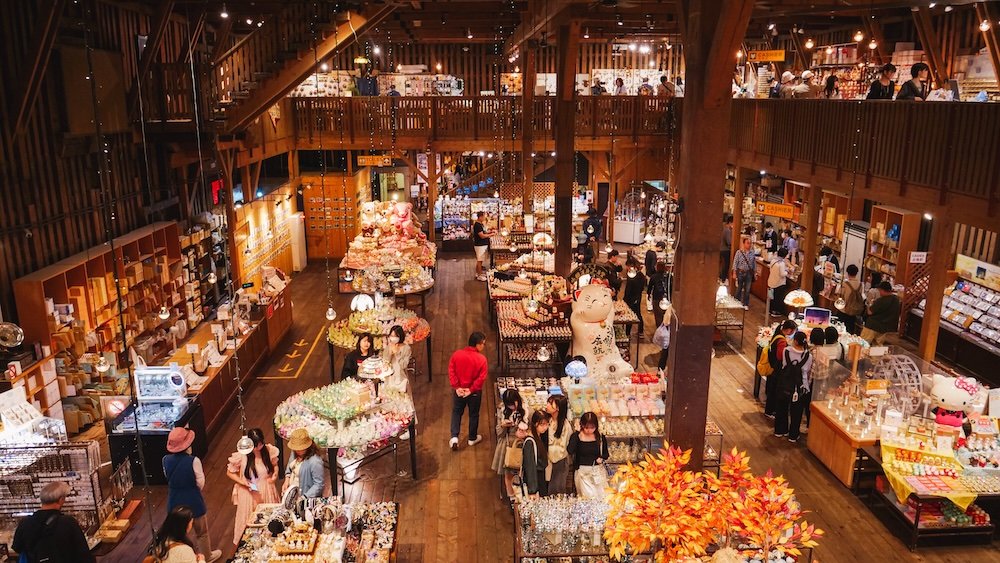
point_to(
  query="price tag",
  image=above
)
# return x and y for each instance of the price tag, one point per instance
(985, 426)
(192, 348)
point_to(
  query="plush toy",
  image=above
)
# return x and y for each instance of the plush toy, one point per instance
(402, 219)
(954, 397)
(369, 216)
(592, 322)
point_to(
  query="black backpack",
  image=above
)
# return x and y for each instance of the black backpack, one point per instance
(790, 375)
(43, 550)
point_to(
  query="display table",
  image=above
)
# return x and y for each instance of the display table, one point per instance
(730, 314)
(835, 446)
(377, 322)
(349, 532)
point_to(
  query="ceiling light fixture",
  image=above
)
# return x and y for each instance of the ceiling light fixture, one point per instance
(619, 19)
(224, 13)
(948, 8)
(324, 67)
(809, 43)
(632, 46)
(932, 4)
(872, 45)
(858, 36)
(249, 21)
(376, 50)
(985, 26)
(468, 33)
(586, 33)
(770, 26)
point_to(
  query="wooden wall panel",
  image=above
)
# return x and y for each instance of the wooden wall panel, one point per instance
(49, 182)
(977, 243)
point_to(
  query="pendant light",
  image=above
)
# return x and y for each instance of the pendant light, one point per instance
(331, 314)
(224, 14)
(664, 303)
(985, 26)
(164, 313)
(872, 45)
(858, 36)
(608, 248)
(244, 446)
(543, 354)
(212, 278)
(523, 274)
(102, 365)
(809, 43)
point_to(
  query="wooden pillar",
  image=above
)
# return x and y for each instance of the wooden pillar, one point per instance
(565, 131)
(712, 30)
(432, 192)
(812, 233)
(293, 163)
(942, 234)
(739, 189)
(527, 126)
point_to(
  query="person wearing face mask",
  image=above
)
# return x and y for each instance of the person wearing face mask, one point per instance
(635, 283)
(770, 238)
(254, 474)
(362, 351)
(397, 353)
(510, 417)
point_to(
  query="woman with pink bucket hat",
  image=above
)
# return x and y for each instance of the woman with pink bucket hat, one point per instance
(185, 480)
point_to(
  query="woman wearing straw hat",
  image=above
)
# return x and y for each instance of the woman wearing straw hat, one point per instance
(185, 480)
(305, 468)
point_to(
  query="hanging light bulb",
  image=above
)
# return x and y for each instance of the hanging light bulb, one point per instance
(331, 313)
(349, 276)
(224, 13)
(504, 232)
(376, 50)
(829, 50)
(532, 306)
(244, 445)
(608, 248)
(249, 21)
(513, 246)
(523, 274)
(212, 278)
(468, 33)
(632, 273)
(586, 33)
(948, 8)
(590, 229)
(872, 44)
(739, 54)
(642, 194)
(324, 67)
(544, 354)
(809, 43)
(858, 36)
(164, 313)
(496, 193)
(985, 26)
(102, 365)
(664, 303)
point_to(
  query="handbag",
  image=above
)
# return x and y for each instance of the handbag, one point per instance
(513, 457)
(591, 482)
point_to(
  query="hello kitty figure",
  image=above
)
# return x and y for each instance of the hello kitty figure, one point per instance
(954, 398)
(593, 328)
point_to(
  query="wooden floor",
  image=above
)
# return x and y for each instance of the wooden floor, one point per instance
(453, 512)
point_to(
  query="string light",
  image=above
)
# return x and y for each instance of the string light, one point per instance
(164, 313)
(829, 50)
(212, 278)
(985, 26)
(543, 354)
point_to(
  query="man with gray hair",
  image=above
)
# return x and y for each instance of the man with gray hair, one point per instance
(48, 535)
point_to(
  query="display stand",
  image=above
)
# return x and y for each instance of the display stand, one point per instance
(730, 314)
(834, 446)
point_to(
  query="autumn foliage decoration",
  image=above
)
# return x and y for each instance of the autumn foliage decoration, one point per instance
(678, 514)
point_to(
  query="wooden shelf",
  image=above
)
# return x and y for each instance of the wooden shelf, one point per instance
(882, 219)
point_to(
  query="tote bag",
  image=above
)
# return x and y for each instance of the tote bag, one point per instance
(591, 482)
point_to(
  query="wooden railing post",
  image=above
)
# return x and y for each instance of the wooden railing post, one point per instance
(350, 102)
(435, 115)
(636, 110)
(475, 118)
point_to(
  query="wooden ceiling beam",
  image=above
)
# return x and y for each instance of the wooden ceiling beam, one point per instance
(37, 63)
(929, 42)
(538, 18)
(992, 35)
(297, 71)
(154, 40)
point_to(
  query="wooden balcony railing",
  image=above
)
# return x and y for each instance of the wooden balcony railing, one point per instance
(951, 146)
(475, 117)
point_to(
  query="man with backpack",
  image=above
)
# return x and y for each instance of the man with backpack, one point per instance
(48, 535)
(770, 363)
(854, 300)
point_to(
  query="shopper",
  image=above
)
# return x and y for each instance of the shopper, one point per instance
(592, 225)
(50, 535)
(589, 449)
(651, 258)
(872, 281)
(666, 89)
(787, 89)
(585, 249)
(770, 238)
(805, 89)
(185, 481)
(773, 88)
(559, 431)
(509, 416)
(364, 349)
(172, 543)
(635, 284)
(660, 286)
(832, 348)
(793, 388)
(396, 352)
(854, 302)
(534, 456)
(725, 251)
(916, 88)
(481, 242)
(254, 474)
(645, 89)
(884, 86)
(745, 271)
(467, 371)
(777, 283)
(775, 350)
(662, 339)
(305, 468)
(883, 316)
(831, 90)
(827, 256)
(620, 87)
(614, 270)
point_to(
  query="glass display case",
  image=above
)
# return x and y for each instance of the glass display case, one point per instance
(455, 223)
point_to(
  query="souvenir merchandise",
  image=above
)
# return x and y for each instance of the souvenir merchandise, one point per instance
(347, 414)
(594, 336)
(378, 322)
(634, 400)
(324, 531)
(389, 235)
(765, 333)
(954, 398)
(562, 524)
(972, 307)
(400, 278)
(456, 219)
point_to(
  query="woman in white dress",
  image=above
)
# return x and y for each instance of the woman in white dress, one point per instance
(396, 353)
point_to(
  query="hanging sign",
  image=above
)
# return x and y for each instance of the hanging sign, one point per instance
(770, 56)
(780, 210)
(374, 160)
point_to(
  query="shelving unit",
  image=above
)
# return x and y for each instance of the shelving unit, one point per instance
(54, 303)
(886, 254)
(203, 252)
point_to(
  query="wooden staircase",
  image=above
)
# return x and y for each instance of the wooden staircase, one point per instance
(265, 65)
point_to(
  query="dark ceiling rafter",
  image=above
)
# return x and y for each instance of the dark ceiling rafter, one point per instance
(40, 54)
